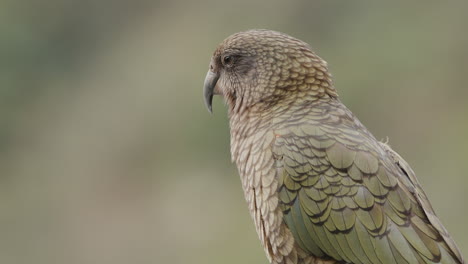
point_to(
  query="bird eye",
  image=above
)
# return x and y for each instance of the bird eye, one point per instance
(227, 60)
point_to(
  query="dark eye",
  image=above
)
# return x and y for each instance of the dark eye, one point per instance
(228, 60)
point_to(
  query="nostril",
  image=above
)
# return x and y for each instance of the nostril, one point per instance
(211, 67)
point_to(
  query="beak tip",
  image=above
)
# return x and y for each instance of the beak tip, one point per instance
(209, 103)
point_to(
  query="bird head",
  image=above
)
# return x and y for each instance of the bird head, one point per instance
(264, 67)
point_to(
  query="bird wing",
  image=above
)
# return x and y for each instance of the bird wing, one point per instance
(423, 201)
(348, 197)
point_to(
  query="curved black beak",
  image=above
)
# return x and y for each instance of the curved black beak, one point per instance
(208, 90)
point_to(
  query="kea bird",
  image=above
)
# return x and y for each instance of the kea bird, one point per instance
(319, 186)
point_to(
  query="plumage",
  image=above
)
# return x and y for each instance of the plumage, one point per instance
(319, 186)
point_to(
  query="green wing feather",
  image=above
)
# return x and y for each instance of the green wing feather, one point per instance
(348, 197)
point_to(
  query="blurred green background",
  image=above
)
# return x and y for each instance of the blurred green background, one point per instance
(108, 155)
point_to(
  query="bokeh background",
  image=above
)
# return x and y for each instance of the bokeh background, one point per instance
(108, 155)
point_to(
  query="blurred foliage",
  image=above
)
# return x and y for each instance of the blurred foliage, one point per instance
(108, 155)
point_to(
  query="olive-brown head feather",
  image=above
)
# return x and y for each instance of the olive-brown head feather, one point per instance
(263, 68)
